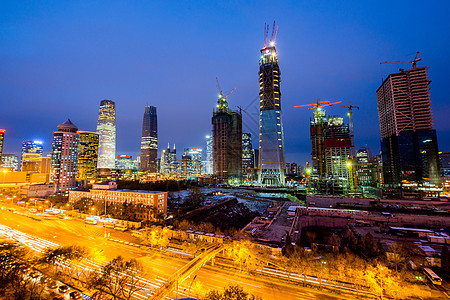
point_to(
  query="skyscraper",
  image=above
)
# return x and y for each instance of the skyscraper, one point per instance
(209, 155)
(192, 162)
(106, 128)
(65, 157)
(125, 162)
(149, 140)
(32, 147)
(247, 156)
(169, 165)
(408, 138)
(271, 141)
(87, 155)
(227, 143)
(2, 138)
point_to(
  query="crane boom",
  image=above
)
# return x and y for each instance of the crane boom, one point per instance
(413, 62)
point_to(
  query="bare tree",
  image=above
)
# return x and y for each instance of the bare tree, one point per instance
(118, 278)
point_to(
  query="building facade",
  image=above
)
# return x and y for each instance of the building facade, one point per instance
(149, 140)
(65, 157)
(154, 200)
(106, 128)
(227, 143)
(87, 155)
(408, 138)
(34, 162)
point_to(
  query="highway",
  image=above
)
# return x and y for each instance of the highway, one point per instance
(158, 268)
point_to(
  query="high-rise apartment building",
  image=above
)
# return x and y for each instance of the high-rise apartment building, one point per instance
(271, 140)
(408, 138)
(87, 155)
(2, 138)
(106, 128)
(209, 155)
(149, 140)
(227, 143)
(65, 157)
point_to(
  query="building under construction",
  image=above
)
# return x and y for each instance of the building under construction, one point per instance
(331, 150)
(227, 142)
(408, 138)
(271, 141)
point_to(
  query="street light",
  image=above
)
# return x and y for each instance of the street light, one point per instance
(4, 175)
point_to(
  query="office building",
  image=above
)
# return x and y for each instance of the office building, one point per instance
(125, 162)
(2, 139)
(191, 162)
(149, 140)
(154, 201)
(408, 138)
(10, 162)
(169, 165)
(363, 155)
(209, 155)
(247, 157)
(271, 140)
(65, 157)
(87, 155)
(34, 162)
(32, 147)
(445, 163)
(227, 143)
(106, 128)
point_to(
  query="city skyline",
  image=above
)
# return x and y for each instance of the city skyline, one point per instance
(331, 67)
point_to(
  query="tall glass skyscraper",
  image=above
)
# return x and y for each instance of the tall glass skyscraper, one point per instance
(65, 157)
(149, 140)
(209, 155)
(271, 140)
(106, 128)
(87, 155)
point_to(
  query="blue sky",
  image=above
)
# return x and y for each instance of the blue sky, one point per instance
(58, 59)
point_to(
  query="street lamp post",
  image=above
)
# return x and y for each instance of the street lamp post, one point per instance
(4, 175)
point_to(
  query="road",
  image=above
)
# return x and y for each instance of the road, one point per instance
(158, 267)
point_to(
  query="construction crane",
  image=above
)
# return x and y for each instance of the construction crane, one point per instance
(220, 90)
(350, 118)
(413, 62)
(266, 34)
(319, 104)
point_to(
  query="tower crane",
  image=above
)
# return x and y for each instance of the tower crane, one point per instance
(317, 106)
(413, 62)
(350, 118)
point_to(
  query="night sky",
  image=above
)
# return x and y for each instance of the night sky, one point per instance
(59, 59)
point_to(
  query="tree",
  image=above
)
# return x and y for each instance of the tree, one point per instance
(83, 205)
(62, 255)
(118, 278)
(230, 292)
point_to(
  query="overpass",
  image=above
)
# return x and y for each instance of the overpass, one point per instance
(186, 271)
